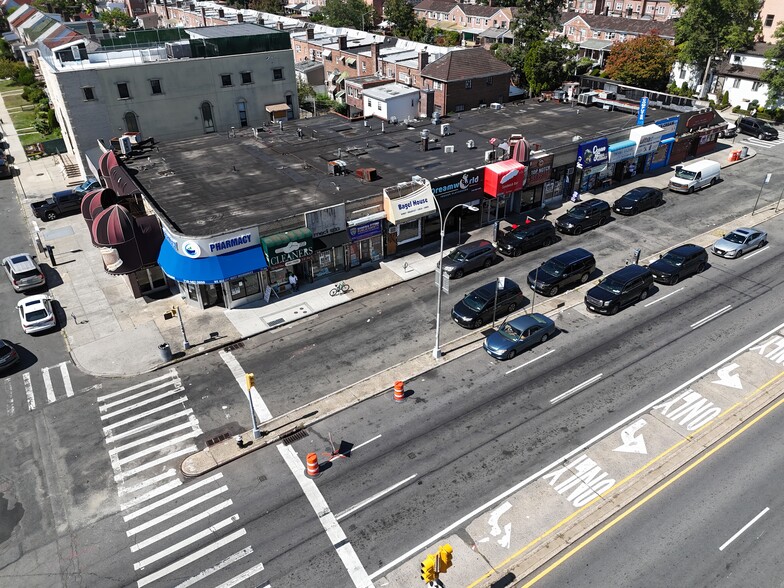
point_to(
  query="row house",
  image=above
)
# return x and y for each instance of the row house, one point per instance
(739, 76)
(470, 20)
(595, 35)
(659, 10)
(771, 14)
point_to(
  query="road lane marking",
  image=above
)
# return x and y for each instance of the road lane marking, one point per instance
(175, 511)
(106, 406)
(153, 437)
(28, 384)
(353, 449)
(530, 361)
(558, 463)
(710, 317)
(114, 437)
(191, 558)
(189, 488)
(151, 494)
(182, 525)
(333, 529)
(168, 375)
(10, 406)
(746, 526)
(373, 498)
(148, 482)
(156, 448)
(665, 296)
(757, 251)
(66, 379)
(217, 567)
(259, 406)
(50, 397)
(179, 401)
(120, 477)
(577, 388)
(144, 403)
(249, 573)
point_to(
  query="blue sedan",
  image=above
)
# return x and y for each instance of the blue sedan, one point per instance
(518, 335)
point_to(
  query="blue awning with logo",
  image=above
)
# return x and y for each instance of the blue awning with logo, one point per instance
(210, 270)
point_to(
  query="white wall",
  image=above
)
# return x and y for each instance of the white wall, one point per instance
(400, 107)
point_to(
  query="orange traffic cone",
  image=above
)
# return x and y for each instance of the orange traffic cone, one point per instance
(313, 465)
(400, 394)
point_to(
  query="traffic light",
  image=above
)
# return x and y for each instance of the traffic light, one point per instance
(250, 381)
(429, 569)
(444, 558)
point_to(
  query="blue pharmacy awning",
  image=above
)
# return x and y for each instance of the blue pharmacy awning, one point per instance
(210, 270)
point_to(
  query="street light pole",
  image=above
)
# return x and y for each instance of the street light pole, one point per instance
(442, 220)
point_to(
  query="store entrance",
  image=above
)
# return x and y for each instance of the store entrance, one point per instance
(211, 295)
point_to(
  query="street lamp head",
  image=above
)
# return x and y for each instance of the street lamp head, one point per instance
(471, 208)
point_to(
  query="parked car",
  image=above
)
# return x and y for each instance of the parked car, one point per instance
(527, 237)
(469, 257)
(679, 263)
(622, 288)
(757, 128)
(561, 271)
(730, 131)
(5, 168)
(584, 216)
(638, 200)
(23, 272)
(695, 176)
(8, 354)
(36, 313)
(476, 308)
(519, 334)
(63, 202)
(739, 241)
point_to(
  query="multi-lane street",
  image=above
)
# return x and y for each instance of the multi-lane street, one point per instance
(110, 507)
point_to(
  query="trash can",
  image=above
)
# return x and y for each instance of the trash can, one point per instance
(744, 152)
(165, 351)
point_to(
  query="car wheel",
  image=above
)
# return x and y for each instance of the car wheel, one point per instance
(690, 190)
(643, 294)
(544, 339)
(584, 278)
(458, 274)
(516, 253)
(511, 308)
(605, 219)
(701, 268)
(547, 242)
(739, 254)
(761, 244)
(50, 216)
(553, 291)
(478, 322)
(659, 202)
(675, 279)
(512, 354)
(614, 309)
(578, 230)
(713, 181)
(487, 263)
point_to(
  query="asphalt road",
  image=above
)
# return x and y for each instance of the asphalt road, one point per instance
(469, 430)
(719, 525)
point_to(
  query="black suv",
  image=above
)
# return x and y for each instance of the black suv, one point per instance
(679, 263)
(638, 200)
(757, 128)
(476, 308)
(469, 257)
(527, 237)
(619, 289)
(586, 215)
(563, 270)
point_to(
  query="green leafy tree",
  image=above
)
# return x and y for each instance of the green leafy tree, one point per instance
(401, 13)
(421, 33)
(116, 19)
(773, 75)
(68, 8)
(269, 6)
(548, 64)
(514, 57)
(713, 28)
(534, 19)
(645, 62)
(354, 14)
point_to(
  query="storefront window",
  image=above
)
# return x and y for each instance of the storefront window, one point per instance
(193, 291)
(408, 232)
(322, 263)
(245, 286)
(279, 279)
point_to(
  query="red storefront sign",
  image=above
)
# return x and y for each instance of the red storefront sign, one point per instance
(504, 177)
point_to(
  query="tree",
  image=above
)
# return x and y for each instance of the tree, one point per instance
(534, 19)
(514, 57)
(353, 14)
(269, 6)
(773, 75)
(712, 28)
(548, 64)
(401, 13)
(115, 19)
(421, 33)
(645, 62)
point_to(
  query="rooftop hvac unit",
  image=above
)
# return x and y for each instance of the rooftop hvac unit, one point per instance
(489, 155)
(178, 49)
(125, 145)
(449, 148)
(471, 144)
(76, 53)
(393, 120)
(446, 129)
(496, 105)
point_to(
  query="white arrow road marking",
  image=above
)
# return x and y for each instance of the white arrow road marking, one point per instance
(495, 530)
(728, 379)
(506, 540)
(632, 444)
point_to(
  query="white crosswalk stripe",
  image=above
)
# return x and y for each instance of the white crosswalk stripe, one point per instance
(148, 428)
(762, 143)
(51, 383)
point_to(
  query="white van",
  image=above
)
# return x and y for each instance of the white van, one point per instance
(694, 176)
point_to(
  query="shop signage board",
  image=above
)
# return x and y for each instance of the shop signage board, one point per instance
(504, 177)
(286, 249)
(539, 170)
(199, 247)
(647, 138)
(463, 183)
(359, 232)
(592, 153)
(668, 125)
(622, 150)
(326, 221)
(414, 204)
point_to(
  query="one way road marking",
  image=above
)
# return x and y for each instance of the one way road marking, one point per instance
(632, 444)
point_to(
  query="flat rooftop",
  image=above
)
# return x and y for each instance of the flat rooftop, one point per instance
(218, 183)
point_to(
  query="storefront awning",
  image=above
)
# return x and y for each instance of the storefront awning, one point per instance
(210, 270)
(288, 247)
(329, 241)
(276, 107)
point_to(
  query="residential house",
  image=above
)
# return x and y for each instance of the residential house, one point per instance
(772, 15)
(658, 10)
(470, 20)
(739, 76)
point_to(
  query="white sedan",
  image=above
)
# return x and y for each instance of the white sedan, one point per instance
(36, 313)
(739, 241)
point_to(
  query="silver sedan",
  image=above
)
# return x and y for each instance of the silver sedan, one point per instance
(739, 241)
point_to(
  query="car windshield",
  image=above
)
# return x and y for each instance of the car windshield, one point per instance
(5, 350)
(474, 302)
(27, 274)
(577, 212)
(456, 255)
(84, 186)
(509, 332)
(735, 238)
(632, 196)
(685, 174)
(514, 235)
(36, 315)
(611, 285)
(672, 259)
(553, 267)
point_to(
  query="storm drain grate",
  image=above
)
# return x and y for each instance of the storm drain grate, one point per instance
(289, 439)
(218, 439)
(238, 345)
(276, 322)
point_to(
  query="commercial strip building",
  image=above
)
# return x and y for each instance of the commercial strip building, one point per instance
(239, 212)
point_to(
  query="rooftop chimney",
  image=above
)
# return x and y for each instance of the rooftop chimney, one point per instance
(279, 24)
(311, 33)
(221, 14)
(260, 20)
(203, 16)
(374, 56)
(166, 9)
(342, 42)
(423, 59)
(239, 17)
(91, 29)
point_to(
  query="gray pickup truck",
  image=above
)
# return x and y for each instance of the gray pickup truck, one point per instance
(63, 202)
